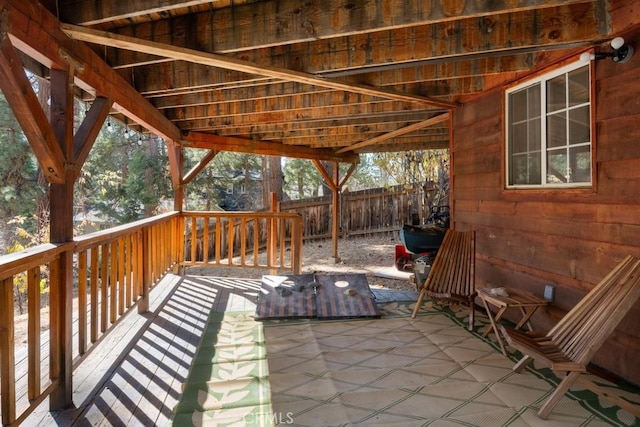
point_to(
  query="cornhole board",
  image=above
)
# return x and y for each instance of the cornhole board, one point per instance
(286, 297)
(344, 296)
(321, 296)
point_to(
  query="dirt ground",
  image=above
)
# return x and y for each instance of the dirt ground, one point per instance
(372, 256)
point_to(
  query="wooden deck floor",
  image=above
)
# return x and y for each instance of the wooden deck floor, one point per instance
(134, 376)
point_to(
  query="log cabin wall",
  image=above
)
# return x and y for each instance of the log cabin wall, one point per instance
(566, 238)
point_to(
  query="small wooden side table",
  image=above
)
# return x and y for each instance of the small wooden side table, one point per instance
(505, 298)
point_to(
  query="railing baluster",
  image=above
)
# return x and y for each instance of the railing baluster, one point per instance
(243, 241)
(194, 239)
(112, 265)
(82, 302)
(256, 241)
(218, 239)
(205, 241)
(230, 235)
(94, 294)
(113, 278)
(120, 276)
(7, 354)
(239, 232)
(33, 334)
(127, 269)
(104, 282)
(282, 241)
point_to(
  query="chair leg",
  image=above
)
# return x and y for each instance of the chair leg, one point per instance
(472, 315)
(555, 397)
(518, 367)
(418, 303)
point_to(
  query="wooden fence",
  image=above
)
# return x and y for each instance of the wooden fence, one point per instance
(380, 210)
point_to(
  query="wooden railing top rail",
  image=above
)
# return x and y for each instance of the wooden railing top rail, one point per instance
(239, 214)
(99, 237)
(18, 262)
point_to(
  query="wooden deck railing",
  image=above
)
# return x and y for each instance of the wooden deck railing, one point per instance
(113, 273)
(243, 239)
(113, 270)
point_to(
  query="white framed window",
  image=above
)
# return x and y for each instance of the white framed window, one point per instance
(548, 130)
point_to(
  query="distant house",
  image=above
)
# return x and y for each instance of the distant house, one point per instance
(92, 220)
(240, 191)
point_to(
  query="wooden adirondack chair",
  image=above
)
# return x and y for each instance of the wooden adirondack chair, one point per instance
(452, 275)
(569, 346)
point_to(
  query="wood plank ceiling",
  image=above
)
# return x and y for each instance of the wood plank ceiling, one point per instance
(348, 76)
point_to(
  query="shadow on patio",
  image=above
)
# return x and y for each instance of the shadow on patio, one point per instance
(199, 358)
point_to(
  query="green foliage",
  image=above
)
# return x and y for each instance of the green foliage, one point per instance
(427, 167)
(366, 175)
(412, 167)
(226, 170)
(125, 176)
(18, 171)
(302, 179)
(20, 281)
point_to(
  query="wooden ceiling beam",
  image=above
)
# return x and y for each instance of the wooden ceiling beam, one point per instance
(342, 142)
(212, 124)
(27, 110)
(242, 145)
(218, 96)
(219, 117)
(92, 12)
(435, 42)
(407, 144)
(36, 32)
(88, 131)
(315, 105)
(270, 131)
(402, 131)
(359, 131)
(290, 94)
(329, 123)
(153, 81)
(343, 134)
(273, 23)
(214, 60)
(445, 70)
(402, 142)
(206, 159)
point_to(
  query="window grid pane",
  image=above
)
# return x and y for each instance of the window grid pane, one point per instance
(564, 136)
(525, 136)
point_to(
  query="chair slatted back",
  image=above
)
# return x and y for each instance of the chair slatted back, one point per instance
(453, 269)
(583, 330)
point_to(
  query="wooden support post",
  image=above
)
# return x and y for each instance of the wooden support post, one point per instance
(335, 225)
(61, 349)
(335, 214)
(272, 239)
(333, 181)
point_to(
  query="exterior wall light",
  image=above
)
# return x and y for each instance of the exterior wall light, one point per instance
(621, 52)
